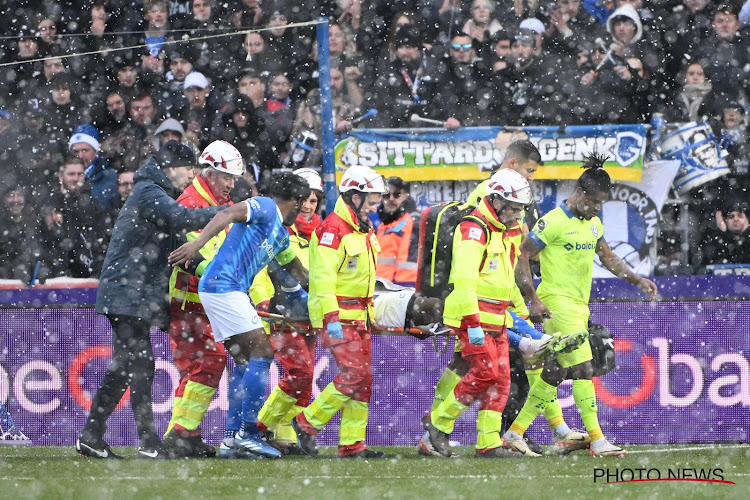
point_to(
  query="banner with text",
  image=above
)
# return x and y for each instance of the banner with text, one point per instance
(682, 376)
(471, 153)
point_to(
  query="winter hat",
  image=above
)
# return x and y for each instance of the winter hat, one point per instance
(243, 104)
(532, 24)
(409, 35)
(735, 105)
(195, 79)
(182, 51)
(85, 133)
(31, 108)
(174, 154)
(170, 124)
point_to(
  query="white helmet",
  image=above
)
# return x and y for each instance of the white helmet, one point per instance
(223, 157)
(510, 185)
(364, 179)
(312, 177)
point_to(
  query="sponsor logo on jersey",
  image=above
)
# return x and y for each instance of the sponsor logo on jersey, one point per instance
(579, 246)
(326, 239)
(254, 204)
(268, 248)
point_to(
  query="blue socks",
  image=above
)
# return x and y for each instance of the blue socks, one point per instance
(235, 397)
(254, 383)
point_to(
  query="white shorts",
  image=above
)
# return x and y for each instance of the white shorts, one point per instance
(390, 308)
(229, 313)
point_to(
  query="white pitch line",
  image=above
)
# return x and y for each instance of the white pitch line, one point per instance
(717, 446)
(347, 477)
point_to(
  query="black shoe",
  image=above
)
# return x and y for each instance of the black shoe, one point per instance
(532, 445)
(155, 452)
(178, 446)
(95, 448)
(305, 440)
(500, 452)
(201, 448)
(267, 436)
(366, 453)
(439, 440)
(290, 449)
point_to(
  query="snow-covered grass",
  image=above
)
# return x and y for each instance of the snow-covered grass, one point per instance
(54, 472)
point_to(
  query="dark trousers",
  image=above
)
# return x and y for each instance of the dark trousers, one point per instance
(519, 389)
(132, 366)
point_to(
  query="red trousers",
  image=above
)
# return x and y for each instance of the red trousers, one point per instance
(488, 378)
(353, 358)
(296, 353)
(197, 355)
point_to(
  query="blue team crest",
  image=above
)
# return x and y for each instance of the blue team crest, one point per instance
(595, 231)
(629, 148)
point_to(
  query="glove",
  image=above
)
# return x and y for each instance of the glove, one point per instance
(335, 331)
(476, 335)
(296, 304)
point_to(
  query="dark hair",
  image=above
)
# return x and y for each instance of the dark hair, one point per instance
(499, 35)
(289, 187)
(398, 183)
(727, 8)
(734, 203)
(523, 151)
(71, 159)
(142, 93)
(460, 33)
(61, 80)
(595, 178)
(703, 65)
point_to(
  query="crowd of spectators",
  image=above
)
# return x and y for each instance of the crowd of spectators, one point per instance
(90, 89)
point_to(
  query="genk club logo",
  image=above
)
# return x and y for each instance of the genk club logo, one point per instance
(608, 475)
(629, 148)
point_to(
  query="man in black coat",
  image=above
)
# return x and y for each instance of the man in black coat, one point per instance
(731, 246)
(71, 234)
(409, 86)
(133, 292)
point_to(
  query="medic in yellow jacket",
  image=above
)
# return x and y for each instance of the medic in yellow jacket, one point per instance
(343, 261)
(200, 359)
(343, 254)
(485, 252)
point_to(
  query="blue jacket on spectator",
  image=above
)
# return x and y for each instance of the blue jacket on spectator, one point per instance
(103, 180)
(135, 276)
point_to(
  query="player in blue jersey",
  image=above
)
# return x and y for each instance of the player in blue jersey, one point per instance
(257, 236)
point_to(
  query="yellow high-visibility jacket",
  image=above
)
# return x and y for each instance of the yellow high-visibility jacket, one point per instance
(482, 272)
(342, 270)
(183, 286)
